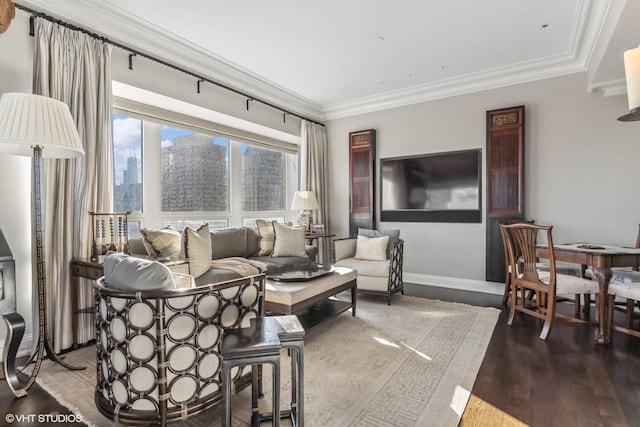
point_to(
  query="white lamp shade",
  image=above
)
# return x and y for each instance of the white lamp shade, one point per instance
(28, 120)
(304, 201)
(632, 77)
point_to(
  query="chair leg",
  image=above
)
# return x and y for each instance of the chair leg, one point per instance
(548, 322)
(514, 302)
(576, 305)
(587, 303)
(610, 310)
(507, 290)
(630, 308)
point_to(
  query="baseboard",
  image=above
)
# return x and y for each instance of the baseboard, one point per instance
(470, 285)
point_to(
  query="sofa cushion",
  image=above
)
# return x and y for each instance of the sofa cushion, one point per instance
(129, 273)
(253, 241)
(366, 267)
(216, 275)
(197, 249)
(228, 242)
(164, 243)
(372, 248)
(394, 236)
(136, 245)
(289, 241)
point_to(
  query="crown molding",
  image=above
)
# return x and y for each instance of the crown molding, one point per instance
(610, 88)
(111, 22)
(477, 82)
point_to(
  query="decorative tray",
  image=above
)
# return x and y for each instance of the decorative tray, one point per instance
(301, 275)
(585, 246)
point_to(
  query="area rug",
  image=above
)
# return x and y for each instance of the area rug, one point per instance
(412, 363)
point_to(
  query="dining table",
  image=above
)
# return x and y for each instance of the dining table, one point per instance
(601, 258)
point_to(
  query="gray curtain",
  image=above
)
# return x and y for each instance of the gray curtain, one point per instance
(74, 68)
(314, 138)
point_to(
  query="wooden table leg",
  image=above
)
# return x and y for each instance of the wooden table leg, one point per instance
(603, 274)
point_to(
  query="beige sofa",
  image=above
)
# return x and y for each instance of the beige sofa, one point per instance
(228, 244)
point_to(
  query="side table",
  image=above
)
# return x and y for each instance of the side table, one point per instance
(81, 268)
(326, 258)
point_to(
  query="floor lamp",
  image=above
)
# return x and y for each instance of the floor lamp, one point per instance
(38, 127)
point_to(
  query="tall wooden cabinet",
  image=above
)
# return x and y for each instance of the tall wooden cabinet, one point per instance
(362, 158)
(505, 181)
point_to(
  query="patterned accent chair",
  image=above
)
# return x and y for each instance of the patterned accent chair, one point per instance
(159, 351)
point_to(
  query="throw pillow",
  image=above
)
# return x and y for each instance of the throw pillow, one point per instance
(267, 237)
(394, 236)
(197, 249)
(289, 241)
(163, 243)
(372, 248)
(128, 273)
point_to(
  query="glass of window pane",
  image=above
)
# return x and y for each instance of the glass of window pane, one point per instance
(127, 159)
(263, 179)
(195, 172)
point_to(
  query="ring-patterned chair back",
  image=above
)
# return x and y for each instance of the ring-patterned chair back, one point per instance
(158, 352)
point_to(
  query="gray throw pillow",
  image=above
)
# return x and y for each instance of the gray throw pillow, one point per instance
(289, 241)
(128, 273)
(394, 236)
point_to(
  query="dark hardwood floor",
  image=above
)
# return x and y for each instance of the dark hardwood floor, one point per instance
(564, 381)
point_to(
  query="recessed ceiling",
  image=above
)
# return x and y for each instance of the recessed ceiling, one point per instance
(337, 58)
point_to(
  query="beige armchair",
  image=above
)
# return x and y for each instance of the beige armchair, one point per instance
(374, 276)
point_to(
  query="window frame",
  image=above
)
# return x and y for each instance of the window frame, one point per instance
(152, 119)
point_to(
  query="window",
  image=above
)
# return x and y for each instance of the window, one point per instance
(172, 175)
(127, 153)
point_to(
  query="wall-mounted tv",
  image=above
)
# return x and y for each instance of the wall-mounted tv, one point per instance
(442, 187)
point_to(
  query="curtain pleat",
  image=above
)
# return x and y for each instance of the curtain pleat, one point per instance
(316, 171)
(74, 68)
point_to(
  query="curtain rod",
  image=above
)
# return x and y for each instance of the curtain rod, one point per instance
(134, 52)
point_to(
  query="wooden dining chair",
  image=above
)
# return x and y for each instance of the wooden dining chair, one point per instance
(631, 293)
(565, 269)
(505, 236)
(535, 292)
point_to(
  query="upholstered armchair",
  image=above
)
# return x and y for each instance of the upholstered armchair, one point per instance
(379, 270)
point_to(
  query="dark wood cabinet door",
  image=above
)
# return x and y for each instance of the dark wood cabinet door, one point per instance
(505, 181)
(362, 151)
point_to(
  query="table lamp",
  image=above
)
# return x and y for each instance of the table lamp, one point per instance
(38, 127)
(303, 202)
(632, 77)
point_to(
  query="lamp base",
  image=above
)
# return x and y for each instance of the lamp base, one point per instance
(304, 220)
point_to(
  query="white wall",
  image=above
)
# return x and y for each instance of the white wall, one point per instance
(16, 53)
(581, 169)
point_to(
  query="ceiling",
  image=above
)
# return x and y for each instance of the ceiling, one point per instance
(338, 58)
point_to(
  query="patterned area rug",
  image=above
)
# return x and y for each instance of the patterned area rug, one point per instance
(409, 364)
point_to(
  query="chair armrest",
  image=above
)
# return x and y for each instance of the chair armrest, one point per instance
(397, 254)
(344, 248)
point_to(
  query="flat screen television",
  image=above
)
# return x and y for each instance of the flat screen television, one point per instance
(442, 187)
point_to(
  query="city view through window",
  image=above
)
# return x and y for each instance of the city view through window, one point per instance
(194, 171)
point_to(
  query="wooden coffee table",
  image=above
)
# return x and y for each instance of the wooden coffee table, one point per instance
(312, 300)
